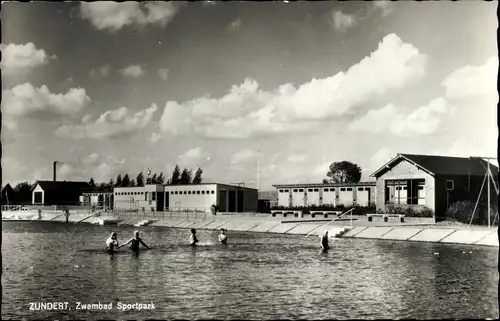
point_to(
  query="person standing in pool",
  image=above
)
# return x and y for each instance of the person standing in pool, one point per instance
(135, 242)
(223, 236)
(192, 239)
(324, 242)
(111, 242)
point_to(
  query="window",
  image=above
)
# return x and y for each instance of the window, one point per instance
(332, 189)
(146, 196)
(349, 189)
(212, 192)
(202, 192)
(301, 189)
(287, 191)
(153, 194)
(342, 189)
(450, 185)
(410, 191)
(189, 192)
(295, 190)
(310, 190)
(316, 190)
(325, 189)
(360, 189)
(281, 191)
(198, 192)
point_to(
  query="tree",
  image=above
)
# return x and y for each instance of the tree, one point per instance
(23, 193)
(126, 181)
(132, 183)
(153, 179)
(176, 176)
(344, 172)
(325, 181)
(160, 179)
(111, 184)
(91, 182)
(185, 177)
(140, 179)
(119, 180)
(197, 176)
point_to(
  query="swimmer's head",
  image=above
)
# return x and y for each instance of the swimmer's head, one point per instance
(136, 233)
(326, 233)
(222, 230)
(193, 231)
(113, 235)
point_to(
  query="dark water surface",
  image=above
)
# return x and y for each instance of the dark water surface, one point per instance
(255, 276)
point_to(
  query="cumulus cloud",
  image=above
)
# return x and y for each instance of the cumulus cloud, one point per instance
(297, 158)
(342, 21)
(154, 138)
(247, 111)
(473, 81)
(90, 159)
(100, 72)
(111, 124)
(425, 120)
(24, 99)
(244, 156)
(112, 16)
(19, 59)
(134, 71)
(163, 73)
(381, 157)
(108, 168)
(194, 157)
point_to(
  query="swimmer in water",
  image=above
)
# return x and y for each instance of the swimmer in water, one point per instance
(135, 241)
(192, 239)
(324, 242)
(111, 242)
(223, 236)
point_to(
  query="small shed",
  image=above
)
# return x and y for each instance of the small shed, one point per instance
(58, 192)
(431, 181)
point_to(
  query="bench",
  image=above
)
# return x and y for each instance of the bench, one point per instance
(386, 217)
(325, 213)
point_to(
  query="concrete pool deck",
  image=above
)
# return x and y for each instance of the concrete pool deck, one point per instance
(391, 231)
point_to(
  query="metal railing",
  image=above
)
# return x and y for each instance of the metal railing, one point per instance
(192, 213)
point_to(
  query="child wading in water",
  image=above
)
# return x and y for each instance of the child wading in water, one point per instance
(111, 242)
(135, 241)
(223, 236)
(192, 239)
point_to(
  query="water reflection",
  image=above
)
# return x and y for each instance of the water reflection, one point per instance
(254, 276)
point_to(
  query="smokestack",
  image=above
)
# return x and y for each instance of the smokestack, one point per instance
(55, 163)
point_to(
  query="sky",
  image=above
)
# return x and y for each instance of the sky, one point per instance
(256, 92)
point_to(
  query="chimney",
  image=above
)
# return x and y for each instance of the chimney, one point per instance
(55, 163)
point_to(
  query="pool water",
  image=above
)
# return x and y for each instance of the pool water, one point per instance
(254, 276)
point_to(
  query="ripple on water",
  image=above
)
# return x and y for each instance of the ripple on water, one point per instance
(256, 276)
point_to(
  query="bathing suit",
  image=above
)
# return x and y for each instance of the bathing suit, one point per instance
(110, 245)
(223, 238)
(324, 243)
(134, 246)
(193, 240)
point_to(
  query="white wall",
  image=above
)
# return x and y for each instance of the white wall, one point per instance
(346, 195)
(284, 197)
(37, 189)
(313, 196)
(192, 196)
(136, 197)
(329, 195)
(298, 197)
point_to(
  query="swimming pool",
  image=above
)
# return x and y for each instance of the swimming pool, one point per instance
(254, 276)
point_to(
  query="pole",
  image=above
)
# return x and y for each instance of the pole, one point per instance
(258, 170)
(489, 219)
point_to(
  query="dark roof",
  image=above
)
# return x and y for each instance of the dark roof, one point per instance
(442, 165)
(324, 185)
(51, 186)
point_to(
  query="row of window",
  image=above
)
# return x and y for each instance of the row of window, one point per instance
(172, 192)
(342, 189)
(192, 192)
